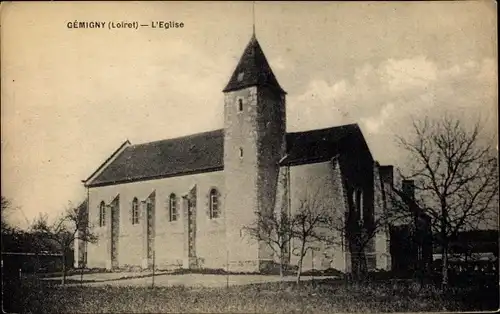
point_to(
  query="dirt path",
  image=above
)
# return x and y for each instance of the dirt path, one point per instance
(189, 280)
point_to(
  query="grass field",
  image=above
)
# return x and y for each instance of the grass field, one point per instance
(324, 296)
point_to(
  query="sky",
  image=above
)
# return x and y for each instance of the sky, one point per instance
(70, 97)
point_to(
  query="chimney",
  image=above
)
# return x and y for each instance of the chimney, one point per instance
(408, 189)
(387, 174)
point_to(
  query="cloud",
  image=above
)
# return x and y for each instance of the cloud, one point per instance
(374, 124)
(69, 98)
(320, 100)
(408, 73)
(59, 136)
(488, 71)
(383, 98)
(319, 89)
(278, 63)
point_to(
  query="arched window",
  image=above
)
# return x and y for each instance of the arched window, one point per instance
(102, 214)
(172, 207)
(214, 204)
(135, 211)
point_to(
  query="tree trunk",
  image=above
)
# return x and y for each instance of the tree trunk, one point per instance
(444, 245)
(282, 260)
(282, 269)
(63, 269)
(299, 270)
(301, 258)
(81, 274)
(357, 276)
(363, 265)
(356, 266)
(444, 282)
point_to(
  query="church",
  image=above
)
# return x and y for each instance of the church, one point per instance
(185, 202)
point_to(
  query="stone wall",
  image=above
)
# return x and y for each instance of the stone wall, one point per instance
(271, 145)
(253, 142)
(169, 235)
(240, 133)
(381, 208)
(320, 183)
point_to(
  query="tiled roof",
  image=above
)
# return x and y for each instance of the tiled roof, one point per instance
(316, 145)
(205, 152)
(252, 70)
(183, 155)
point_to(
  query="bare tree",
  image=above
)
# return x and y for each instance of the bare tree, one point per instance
(7, 209)
(12, 237)
(310, 226)
(73, 224)
(272, 226)
(358, 227)
(274, 230)
(455, 175)
(358, 235)
(5, 203)
(6, 206)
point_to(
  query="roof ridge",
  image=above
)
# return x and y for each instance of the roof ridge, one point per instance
(116, 153)
(177, 138)
(326, 129)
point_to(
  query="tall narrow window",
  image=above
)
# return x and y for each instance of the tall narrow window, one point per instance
(354, 201)
(102, 214)
(172, 207)
(149, 209)
(360, 204)
(241, 152)
(135, 211)
(214, 204)
(240, 104)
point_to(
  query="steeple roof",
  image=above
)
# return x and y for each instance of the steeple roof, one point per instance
(253, 70)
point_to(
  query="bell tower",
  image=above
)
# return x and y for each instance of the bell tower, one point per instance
(254, 142)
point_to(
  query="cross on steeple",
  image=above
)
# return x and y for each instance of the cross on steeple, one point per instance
(253, 18)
